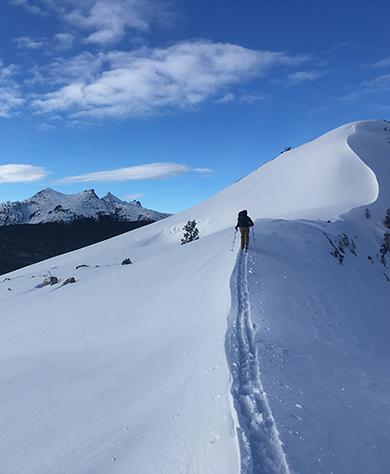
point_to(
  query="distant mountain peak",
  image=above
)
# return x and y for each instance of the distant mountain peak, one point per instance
(46, 192)
(90, 193)
(109, 197)
(49, 205)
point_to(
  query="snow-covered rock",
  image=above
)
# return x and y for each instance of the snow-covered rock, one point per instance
(51, 206)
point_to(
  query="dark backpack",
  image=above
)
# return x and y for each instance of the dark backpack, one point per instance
(244, 220)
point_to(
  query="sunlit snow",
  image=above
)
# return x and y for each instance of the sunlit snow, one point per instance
(198, 359)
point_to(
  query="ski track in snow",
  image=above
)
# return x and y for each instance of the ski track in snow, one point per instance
(260, 448)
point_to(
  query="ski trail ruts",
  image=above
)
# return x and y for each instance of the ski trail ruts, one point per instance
(260, 448)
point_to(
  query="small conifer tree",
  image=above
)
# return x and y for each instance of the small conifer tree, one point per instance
(367, 213)
(191, 232)
(385, 247)
(386, 220)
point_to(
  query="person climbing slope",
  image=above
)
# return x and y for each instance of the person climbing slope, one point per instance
(244, 222)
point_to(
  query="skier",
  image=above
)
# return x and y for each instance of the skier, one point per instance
(244, 222)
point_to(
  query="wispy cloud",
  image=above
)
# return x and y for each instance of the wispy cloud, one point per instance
(35, 9)
(27, 42)
(132, 173)
(46, 127)
(63, 40)
(109, 19)
(82, 68)
(91, 86)
(252, 98)
(383, 63)
(303, 76)
(15, 173)
(10, 99)
(10, 96)
(7, 72)
(104, 22)
(132, 197)
(377, 85)
(204, 170)
(152, 81)
(229, 97)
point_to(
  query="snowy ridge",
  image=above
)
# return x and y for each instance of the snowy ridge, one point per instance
(51, 206)
(370, 141)
(261, 449)
(322, 179)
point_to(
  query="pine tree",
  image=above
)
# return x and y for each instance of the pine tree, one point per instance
(385, 247)
(386, 220)
(191, 232)
(367, 213)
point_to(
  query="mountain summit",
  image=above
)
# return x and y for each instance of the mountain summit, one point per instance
(199, 359)
(51, 206)
(51, 223)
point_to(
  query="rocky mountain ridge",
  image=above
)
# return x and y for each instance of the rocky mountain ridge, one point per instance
(51, 223)
(49, 206)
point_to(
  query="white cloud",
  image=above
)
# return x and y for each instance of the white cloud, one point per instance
(302, 76)
(383, 63)
(132, 197)
(252, 98)
(7, 72)
(27, 42)
(204, 170)
(368, 89)
(10, 97)
(378, 85)
(151, 81)
(46, 127)
(63, 40)
(104, 21)
(27, 6)
(109, 19)
(82, 68)
(132, 173)
(229, 97)
(15, 173)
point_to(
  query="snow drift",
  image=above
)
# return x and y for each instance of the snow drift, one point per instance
(195, 359)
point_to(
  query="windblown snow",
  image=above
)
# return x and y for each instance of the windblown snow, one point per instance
(198, 359)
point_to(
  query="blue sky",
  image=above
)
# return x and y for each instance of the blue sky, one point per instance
(170, 102)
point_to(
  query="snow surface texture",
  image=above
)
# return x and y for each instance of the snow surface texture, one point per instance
(196, 359)
(261, 450)
(51, 206)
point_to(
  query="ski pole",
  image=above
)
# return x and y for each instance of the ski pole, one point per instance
(234, 238)
(254, 239)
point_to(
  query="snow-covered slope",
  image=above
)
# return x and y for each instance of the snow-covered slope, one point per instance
(198, 359)
(51, 206)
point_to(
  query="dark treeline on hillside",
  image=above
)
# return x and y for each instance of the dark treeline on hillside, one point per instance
(22, 245)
